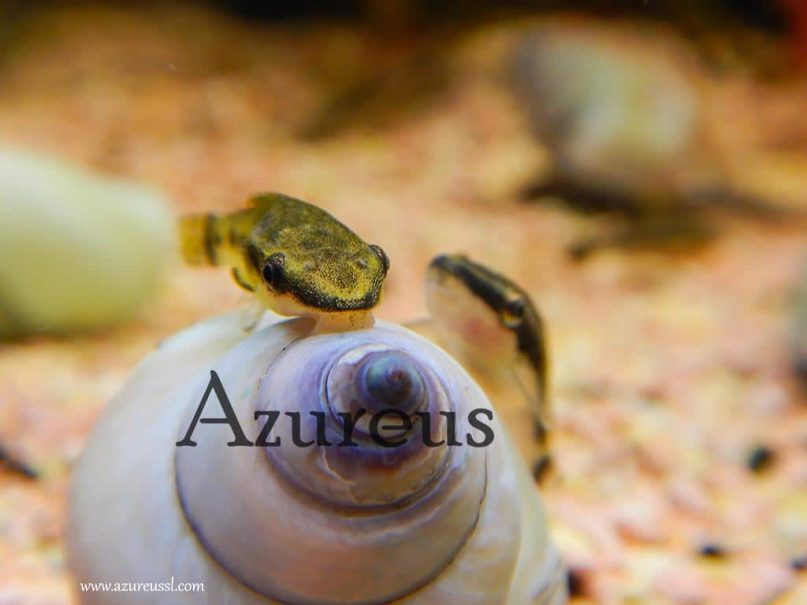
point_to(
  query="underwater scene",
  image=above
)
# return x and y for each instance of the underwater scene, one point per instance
(390, 301)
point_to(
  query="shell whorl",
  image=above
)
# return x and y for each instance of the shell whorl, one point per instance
(355, 521)
(377, 380)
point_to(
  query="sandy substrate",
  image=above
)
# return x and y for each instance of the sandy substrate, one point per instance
(668, 370)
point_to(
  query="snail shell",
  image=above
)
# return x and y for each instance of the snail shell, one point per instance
(320, 525)
(617, 110)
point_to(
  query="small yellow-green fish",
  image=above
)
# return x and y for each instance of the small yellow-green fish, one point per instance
(296, 258)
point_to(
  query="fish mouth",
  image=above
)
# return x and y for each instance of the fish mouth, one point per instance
(334, 304)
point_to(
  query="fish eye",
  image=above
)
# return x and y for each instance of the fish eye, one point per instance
(382, 255)
(273, 270)
(513, 312)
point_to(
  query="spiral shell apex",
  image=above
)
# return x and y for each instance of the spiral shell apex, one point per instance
(357, 495)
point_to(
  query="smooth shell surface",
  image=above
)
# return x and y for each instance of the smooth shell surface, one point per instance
(304, 525)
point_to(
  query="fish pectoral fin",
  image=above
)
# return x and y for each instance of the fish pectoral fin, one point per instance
(239, 279)
(251, 316)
